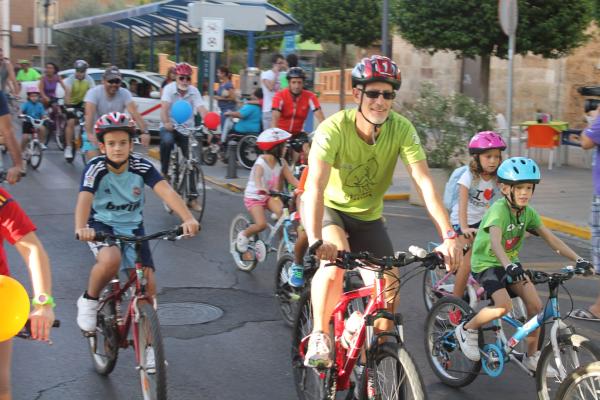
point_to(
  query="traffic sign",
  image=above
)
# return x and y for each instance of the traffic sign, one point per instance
(236, 17)
(212, 34)
(508, 15)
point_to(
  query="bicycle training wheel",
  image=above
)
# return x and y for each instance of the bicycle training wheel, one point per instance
(150, 354)
(104, 347)
(287, 296)
(450, 365)
(246, 261)
(196, 192)
(581, 384)
(247, 152)
(310, 383)
(35, 157)
(575, 351)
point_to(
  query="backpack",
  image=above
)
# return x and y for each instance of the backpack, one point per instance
(451, 190)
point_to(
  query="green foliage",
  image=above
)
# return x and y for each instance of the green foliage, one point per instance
(550, 28)
(340, 21)
(445, 125)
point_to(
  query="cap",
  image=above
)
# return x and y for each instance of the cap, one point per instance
(111, 72)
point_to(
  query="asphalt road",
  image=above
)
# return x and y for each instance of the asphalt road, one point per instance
(245, 353)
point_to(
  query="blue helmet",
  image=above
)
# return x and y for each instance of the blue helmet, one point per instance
(517, 170)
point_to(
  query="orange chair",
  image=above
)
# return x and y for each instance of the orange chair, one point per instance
(543, 137)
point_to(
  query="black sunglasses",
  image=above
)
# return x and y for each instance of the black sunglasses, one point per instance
(373, 94)
(184, 78)
(114, 81)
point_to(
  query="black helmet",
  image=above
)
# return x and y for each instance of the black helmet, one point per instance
(296, 72)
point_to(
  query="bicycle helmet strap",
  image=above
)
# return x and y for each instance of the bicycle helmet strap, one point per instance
(116, 165)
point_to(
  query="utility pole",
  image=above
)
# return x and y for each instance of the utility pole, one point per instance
(385, 11)
(5, 27)
(44, 34)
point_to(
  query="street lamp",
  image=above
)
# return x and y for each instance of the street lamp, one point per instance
(44, 34)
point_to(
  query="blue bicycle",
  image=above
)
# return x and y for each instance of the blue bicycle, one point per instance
(564, 352)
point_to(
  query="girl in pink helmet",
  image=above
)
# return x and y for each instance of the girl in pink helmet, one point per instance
(266, 175)
(477, 188)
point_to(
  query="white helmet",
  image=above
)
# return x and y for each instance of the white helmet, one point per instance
(271, 137)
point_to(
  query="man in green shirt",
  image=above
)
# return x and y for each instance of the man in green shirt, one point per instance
(78, 83)
(495, 259)
(351, 165)
(26, 73)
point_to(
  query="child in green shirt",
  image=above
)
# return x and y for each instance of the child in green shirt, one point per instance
(495, 260)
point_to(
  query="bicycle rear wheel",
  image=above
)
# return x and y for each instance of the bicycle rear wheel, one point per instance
(395, 375)
(575, 351)
(104, 347)
(35, 157)
(581, 384)
(196, 192)
(450, 365)
(148, 344)
(247, 152)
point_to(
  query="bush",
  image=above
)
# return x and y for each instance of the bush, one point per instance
(445, 125)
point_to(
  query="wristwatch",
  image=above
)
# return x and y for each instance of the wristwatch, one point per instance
(451, 234)
(43, 299)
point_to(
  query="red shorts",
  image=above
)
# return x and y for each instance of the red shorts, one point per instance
(249, 203)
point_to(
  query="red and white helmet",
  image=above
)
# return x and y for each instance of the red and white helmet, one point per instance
(271, 137)
(114, 121)
(376, 69)
(486, 140)
(183, 69)
(32, 90)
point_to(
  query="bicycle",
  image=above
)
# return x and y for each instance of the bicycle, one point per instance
(564, 352)
(258, 248)
(185, 173)
(581, 384)
(113, 328)
(33, 152)
(78, 131)
(58, 122)
(376, 379)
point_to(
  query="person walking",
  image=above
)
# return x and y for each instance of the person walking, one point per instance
(270, 84)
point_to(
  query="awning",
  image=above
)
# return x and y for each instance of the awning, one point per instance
(161, 18)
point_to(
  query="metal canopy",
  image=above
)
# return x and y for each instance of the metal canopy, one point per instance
(170, 16)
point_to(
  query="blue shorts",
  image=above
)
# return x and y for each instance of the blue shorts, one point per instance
(3, 104)
(127, 249)
(86, 145)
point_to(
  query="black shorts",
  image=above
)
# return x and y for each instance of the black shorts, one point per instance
(127, 251)
(3, 104)
(494, 279)
(368, 236)
(459, 231)
(27, 127)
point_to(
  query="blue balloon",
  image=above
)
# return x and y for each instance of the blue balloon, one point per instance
(181, 111)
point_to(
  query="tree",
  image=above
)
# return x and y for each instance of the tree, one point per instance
(342, 22)
(550, 28)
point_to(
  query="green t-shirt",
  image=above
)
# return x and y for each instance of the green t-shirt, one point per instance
(30, 75)
(513, 233)
(362, 173)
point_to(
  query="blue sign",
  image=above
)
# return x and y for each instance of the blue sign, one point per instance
(289, 42)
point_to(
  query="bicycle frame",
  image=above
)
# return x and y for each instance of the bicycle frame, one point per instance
(284, 221)
(345, 359)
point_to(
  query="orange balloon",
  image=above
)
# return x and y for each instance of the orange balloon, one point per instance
(14, 307)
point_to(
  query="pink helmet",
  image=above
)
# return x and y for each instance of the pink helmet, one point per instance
(486, 140)
(32, 90)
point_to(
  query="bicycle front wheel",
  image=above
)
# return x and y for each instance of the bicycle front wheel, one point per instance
(104, 347)
(287, 296)
(35, 157)
(581, 384)
(150, 354)
(395, 375)
(246, 261)
(196, 192)
(575, 351)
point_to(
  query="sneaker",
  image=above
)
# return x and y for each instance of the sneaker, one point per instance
(194, 205)
(531, 363)
(318, 352)
(87, 312)
(150, 366)
(43, 146)
(468, 341)
(68, 152)
(296, 275)
(241, 244)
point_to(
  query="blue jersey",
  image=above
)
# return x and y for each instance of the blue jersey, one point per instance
(34, 110)
(119, 198)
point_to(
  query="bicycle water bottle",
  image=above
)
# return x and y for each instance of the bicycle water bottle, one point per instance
(350, 329)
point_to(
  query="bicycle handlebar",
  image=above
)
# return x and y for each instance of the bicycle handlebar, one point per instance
(171, 234)
(33, 121)
(568, 272)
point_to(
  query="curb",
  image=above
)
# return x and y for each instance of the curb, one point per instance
(551, 223)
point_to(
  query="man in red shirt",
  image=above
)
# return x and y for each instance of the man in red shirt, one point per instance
(292, 104)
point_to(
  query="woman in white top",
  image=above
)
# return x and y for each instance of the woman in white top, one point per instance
(265, 176)
(478, 186)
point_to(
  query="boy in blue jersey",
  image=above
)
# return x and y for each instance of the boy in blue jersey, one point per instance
(35, 109)
(111, 199)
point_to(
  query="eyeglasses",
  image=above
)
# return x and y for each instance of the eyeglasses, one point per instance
(374, 94)
(114, 81)
(184, 78)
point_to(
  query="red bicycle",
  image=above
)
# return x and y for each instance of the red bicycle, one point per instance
(113, 326)
(375, 365)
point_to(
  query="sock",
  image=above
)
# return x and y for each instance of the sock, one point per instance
(87, 296)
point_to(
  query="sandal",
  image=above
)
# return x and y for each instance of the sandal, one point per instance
(583, 314)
